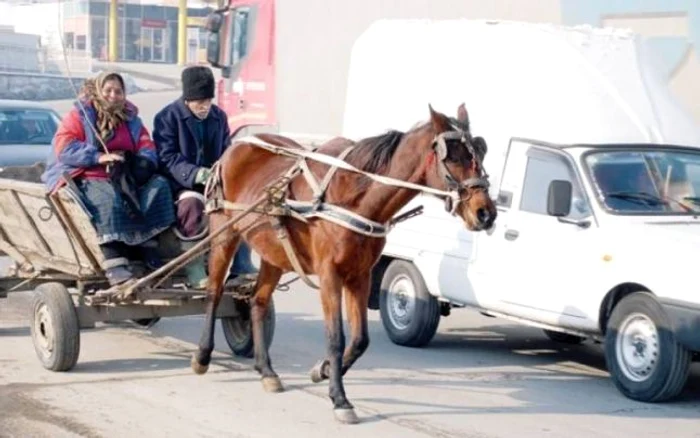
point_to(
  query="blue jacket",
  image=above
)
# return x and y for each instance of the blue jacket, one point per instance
(177, 142)
(75, 147)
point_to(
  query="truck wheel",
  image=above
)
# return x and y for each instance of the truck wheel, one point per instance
(410, 315)
(238, 333)
(146, 322)
(645, 361)
(54, 327)
(563, 338)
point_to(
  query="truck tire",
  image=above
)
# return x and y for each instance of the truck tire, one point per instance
(645, 361)
(54, 327)
(410, 315)
(238, 333)
(563, 338)
(146, 322)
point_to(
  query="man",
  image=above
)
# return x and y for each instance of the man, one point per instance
(191, 134)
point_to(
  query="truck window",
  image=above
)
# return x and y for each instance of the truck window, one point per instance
(239, 43)
(543, 168)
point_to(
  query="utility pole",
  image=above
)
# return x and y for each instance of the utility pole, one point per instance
(182, 33)
(113, 34)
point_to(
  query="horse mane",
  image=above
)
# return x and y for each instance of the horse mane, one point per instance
(373, 154)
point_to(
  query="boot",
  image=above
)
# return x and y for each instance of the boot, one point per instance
(151, 255)
(196, 273)
(116, 264)
(242, 264)
(118, 274)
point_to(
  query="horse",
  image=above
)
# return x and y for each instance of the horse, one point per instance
(440, 153)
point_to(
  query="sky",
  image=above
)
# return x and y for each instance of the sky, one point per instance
(5, 14)
(29, 20)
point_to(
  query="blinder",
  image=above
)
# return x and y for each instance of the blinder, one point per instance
(477, 148)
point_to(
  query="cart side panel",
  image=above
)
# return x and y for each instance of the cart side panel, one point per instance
(15, 226)
(28, 224)
(82, 223)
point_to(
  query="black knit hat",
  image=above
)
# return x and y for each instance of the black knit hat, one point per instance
(197, 83)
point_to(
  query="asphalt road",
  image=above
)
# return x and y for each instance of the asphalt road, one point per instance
(479, 378)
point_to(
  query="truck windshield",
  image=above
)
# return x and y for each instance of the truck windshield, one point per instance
(643, 181)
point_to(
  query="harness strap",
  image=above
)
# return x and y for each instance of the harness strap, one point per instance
(319, 189)
(310, 178)
(283, 237)
(215, 204)
(334, 161)
(327, 178)
(340, 216)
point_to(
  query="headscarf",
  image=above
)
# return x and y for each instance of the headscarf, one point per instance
(109, 115)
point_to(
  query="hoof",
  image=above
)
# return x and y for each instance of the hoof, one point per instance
(197, 367)
(346, 416)
(272, 384)
(317, 372)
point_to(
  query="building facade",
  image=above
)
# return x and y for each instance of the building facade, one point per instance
(146, 32)
(20, 52)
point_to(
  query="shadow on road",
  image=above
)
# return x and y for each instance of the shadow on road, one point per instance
(540, 375)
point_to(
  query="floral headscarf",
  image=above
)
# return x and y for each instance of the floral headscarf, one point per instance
(109, 115)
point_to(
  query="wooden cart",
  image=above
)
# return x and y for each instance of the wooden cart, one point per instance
(54, 249)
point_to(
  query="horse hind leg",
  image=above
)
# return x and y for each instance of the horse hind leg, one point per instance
(268, 278)
(222, 249)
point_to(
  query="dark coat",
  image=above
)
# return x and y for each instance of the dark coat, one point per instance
(177, 142)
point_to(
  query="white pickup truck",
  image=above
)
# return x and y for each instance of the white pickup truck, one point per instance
(596, 171)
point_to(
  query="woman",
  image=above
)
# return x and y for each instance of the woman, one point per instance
(128, 203)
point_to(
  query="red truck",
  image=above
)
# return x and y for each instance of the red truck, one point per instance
(242, 44)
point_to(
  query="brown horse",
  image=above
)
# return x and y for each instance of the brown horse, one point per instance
(440, 154)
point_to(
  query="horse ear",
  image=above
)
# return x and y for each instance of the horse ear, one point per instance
(462, 114)
(438, 120)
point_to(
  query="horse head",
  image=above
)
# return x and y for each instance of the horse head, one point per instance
(455, 164)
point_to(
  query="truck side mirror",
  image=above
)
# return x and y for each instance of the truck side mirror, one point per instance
(213, 25)
(213, 49)
(559, 198)
(214, 21)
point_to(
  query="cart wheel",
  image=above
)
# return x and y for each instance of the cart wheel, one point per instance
(238, 333)
(147, 322)
(54, 328)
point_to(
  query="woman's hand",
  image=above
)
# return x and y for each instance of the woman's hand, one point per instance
(110, 158)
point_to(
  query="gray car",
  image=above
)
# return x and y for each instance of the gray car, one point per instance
(26, 131)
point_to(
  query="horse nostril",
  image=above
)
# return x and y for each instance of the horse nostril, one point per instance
(483, 215)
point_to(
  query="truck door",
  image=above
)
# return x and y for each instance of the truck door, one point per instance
(550, 261)
(492, 271)
(247, 91)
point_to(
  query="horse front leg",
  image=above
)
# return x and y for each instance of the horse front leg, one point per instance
(331, 300)
(268, 277)
(357, 290)
(222, 249)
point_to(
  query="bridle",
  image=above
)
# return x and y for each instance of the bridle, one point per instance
(458, 189)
